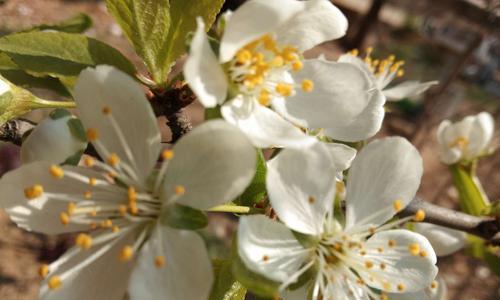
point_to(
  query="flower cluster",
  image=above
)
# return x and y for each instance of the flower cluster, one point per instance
(331, 228)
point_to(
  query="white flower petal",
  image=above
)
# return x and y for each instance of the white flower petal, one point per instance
(317, 22)
(358, 62)
(108, 87)
(203, 72)
(480, 134)
(41, 214)
(341, 155)
(4, 86)
(254, 19)
(214, 163)
(96, 273)
(186, 274)
(301, 186)
(384, 171)
(407, 89)
(298, 294)
(341, 93)
(51, 141)
(269, 248)
(264, 127)
(445, 241)
(363, 126)
(413, 272)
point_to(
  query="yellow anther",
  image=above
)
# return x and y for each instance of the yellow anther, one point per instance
(64, 218)
(167, 154)
(392, 57)
(83, 241)
(423, 253)
(106, 110)
(87, 194)
(33, 192)
(131, 194)
(397, 205)
(384, 297)
(401, 287)
(419, 215)
(391, 243)
(92, 181)
(269, 42)
(106, 223)
(54, 282)
(277, 61)
(434, 284)
(92, 134)
(159, 261)
(307, 85)
(311, 200)
(122, 209)
(132, 207)
(93, 213)
(369, 50)
(400, 73)
(71, 208)
(284, 89)
(113, 160)
(386, 286)
(354, 52)
(126, 253)
(382, 266)
(88, 161)
(372, 230)
(43, 270)
(179, 190)
(290, 53)
(264, 97)
(115, 229)
(265, 258)
(414, 249)
(243, 56)
(380, 249)
(56, 171)
(297, 65)
(461, 142)
(368, 264)
(362, 252)
(93, 225)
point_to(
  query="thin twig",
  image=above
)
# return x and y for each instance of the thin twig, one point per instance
(12, 131)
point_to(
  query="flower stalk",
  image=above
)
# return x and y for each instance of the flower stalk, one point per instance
(473, 200)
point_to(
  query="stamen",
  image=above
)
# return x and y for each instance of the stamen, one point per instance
(126, 253)
(311, 199)
(92, 181)
(92, 134)
(368, 264)
(307, 85)
(131, 194)
(64, 218)
(71, 208)
(56, 171)
(54, 282)
(297, 65)
(265, 258)
(83, 241)
(87, 194)
(88, 162)
(167, 154)
(414, 249)
(33, 192)
(434, 284)
(401, 287)
(113, 160)
(423, 253)
(159, 261)
(106, 110)
(391, 243)
(284, 89)
(43, 270)
(179, 190)
(115, 229)
(397, 205)
(264, 97)
(419, 215)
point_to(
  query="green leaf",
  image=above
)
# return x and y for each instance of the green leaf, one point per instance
(76, 129)
(183, 217)
(256, 283)
(6, 63)
(75, 24)
(183, 15)
(59, 53)
(25, 80)
(59, 113)
(146, 24)
(257, 188)
(225, 286)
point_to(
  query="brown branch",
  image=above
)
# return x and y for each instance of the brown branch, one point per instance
(485, 227)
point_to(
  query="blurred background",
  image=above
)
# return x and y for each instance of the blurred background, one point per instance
(453, 41)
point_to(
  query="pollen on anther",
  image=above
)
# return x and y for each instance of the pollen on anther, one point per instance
(423, 253)
(284, 89)
(92, 134)
(391, 243)
(106, 110)
(297, 65)
(414, 249)
(382, 266)
(92, 181)
(307, 85)
(106, 223)
(56, 171)
(122, 209)
(88, 161)
(33, 192)
(87, 195)
(397, 205)
(115, 229)
(132, 207)
(401, 287)
(311, 200)
(159, 261)
(83, 241)
(368, 264)
(126, 253)
(383, 297)
(167, 154)
(265, 258)
(179, 190)
(131, 194)
(113, 160)
(43, 270)
(419, 216)
(71, 208)
(64, 218)
(434, 284)
(54, 282)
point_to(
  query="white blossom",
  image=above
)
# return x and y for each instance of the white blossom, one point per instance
(465, 140)
(123, 248)
(350, 259)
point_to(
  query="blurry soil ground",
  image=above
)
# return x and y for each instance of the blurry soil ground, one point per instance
(22, 252)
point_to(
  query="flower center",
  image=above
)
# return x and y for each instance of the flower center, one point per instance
(261, 69)
(383, 67)
(461, 142)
